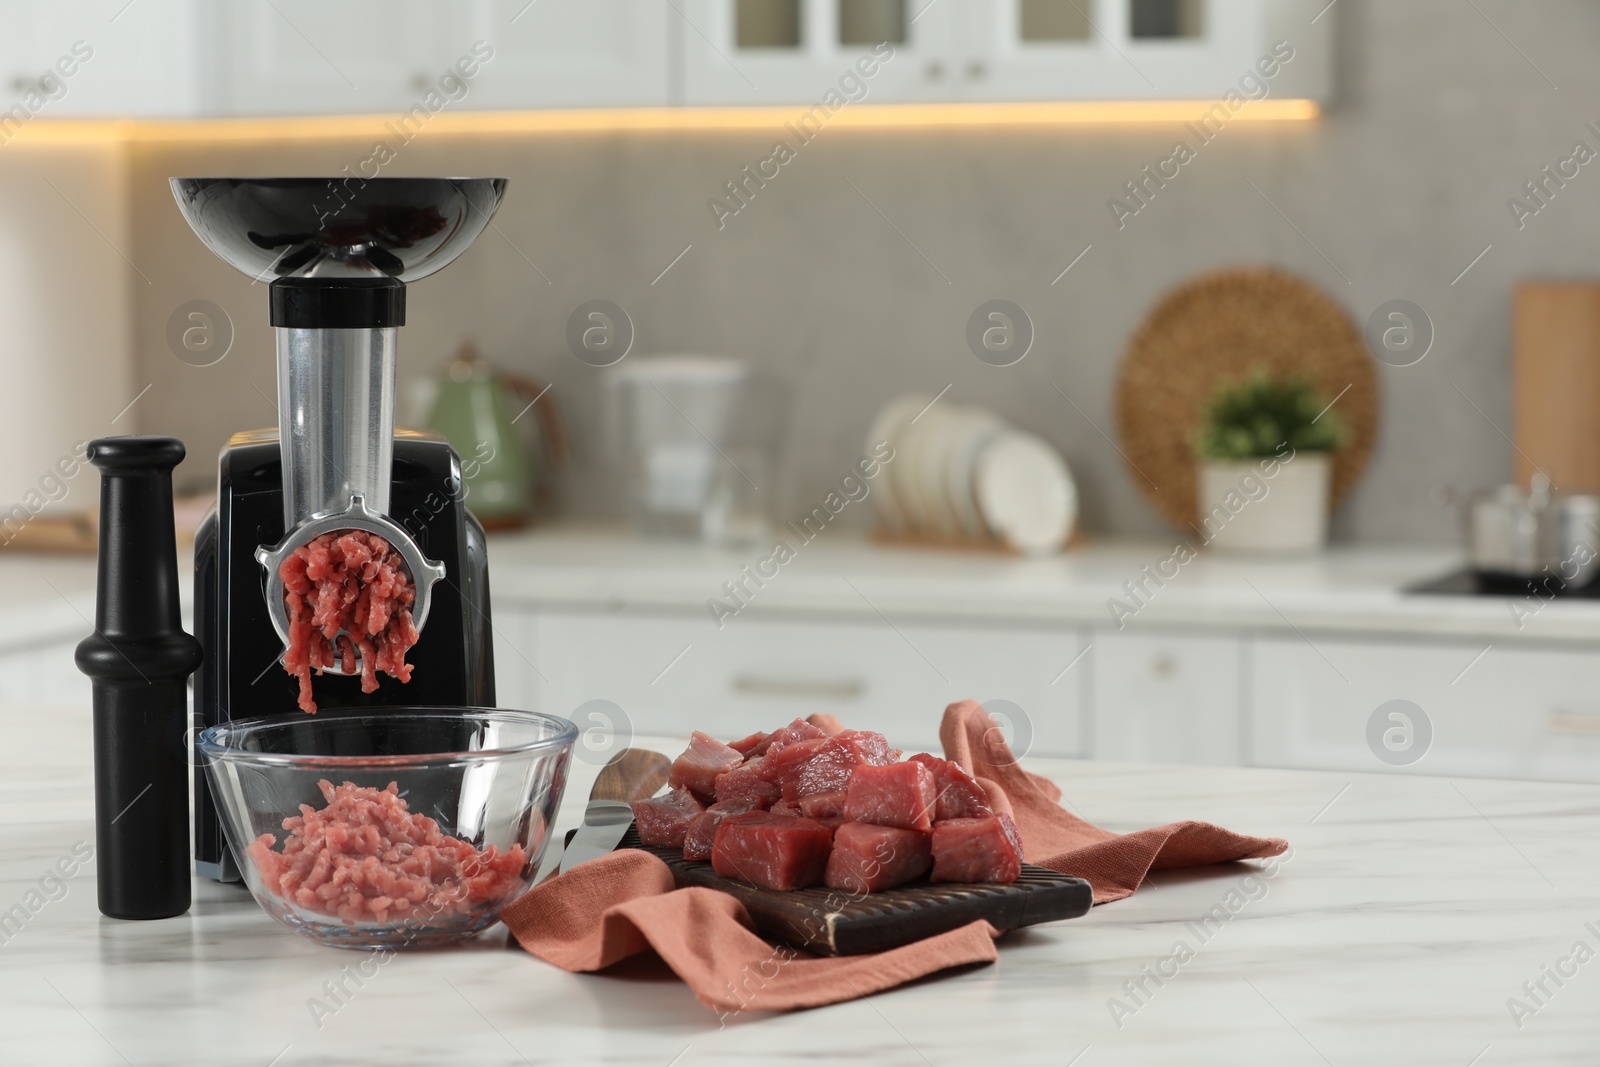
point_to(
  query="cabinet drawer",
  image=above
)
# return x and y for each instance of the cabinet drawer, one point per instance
(1166, 698)
(1513, 713)
(675, 673)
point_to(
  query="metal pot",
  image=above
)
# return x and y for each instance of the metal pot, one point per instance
(1518, 534)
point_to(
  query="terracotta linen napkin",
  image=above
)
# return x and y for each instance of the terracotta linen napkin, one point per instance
(622, 904)
(1053, 837)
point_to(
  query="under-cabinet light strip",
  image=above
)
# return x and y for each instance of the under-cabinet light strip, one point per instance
(602, 120)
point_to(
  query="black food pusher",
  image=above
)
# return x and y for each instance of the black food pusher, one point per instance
(139, 659)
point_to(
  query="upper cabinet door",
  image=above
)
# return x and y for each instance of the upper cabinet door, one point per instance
(312, 57)
(1144, 49)
(106, 58)
(573, 53)
(799, 51)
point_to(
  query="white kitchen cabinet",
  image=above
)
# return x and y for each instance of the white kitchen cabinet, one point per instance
(386, 56)
(310, 57)
(671, 673)
(798, 51)
(177, 58)
(573, 53)
(1511, 712)
(1166, 697)
(77, 58)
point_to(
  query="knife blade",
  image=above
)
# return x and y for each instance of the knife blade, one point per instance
(604, 823)
(633, 774)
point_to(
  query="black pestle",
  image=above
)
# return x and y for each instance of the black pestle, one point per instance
(139, 659)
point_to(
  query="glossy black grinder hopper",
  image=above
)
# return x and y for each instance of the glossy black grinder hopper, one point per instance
(338, 254)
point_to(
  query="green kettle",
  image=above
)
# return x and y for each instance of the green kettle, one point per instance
(509, 437)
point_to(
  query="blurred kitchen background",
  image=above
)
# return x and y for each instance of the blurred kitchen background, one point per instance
(1383, 162)
(1434, 120)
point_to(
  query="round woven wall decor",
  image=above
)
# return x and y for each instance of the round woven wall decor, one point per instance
(1219, 328)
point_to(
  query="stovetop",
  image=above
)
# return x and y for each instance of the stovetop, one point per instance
(1468, 582)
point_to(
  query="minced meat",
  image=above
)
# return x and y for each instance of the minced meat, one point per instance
(366, 857)
(347, 593)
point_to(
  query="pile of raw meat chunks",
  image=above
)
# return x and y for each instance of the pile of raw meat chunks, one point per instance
(802, 806)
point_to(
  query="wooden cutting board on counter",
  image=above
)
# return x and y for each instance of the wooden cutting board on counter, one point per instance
(830, 922)
(1557, 383)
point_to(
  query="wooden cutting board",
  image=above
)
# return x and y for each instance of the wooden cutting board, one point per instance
(831, 922)
(1557, 384)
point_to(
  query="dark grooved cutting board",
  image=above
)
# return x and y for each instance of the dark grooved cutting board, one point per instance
(831, 922)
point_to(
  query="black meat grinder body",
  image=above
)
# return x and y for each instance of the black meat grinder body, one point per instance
(340, 253)
(240, 676)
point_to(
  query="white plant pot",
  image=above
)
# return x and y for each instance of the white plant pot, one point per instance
(1266, 505)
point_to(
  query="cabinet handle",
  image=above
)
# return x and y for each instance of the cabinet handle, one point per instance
(1163, 666)
(1574, 722)
(934, 71)
(799, 688)
(976, 71)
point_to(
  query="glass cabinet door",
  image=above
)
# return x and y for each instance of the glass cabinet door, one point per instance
(799, 51)
(1133, 49)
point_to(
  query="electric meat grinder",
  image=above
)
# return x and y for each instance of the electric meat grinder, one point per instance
(339, 254)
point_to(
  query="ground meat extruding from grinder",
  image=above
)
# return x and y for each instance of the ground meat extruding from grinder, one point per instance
(347, 593)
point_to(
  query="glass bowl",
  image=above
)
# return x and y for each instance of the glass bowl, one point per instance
(400, 827)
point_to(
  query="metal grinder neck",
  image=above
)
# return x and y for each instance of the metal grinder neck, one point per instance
(336, 358)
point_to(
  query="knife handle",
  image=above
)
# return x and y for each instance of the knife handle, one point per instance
(633, 774)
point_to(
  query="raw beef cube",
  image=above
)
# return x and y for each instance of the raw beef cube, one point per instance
(869, 745)
(828, 724)
(822, 805)
(799, 730)
(901, 794)
(703, 830)
(701, 762)
(754, 745)
(828, 769)
(977, 850)
(771, 851)
(960, 797)
(781, 765)
(868, 858)
(786, 807)
(663, 820)
(745, 781)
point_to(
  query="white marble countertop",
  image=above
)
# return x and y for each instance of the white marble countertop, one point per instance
(1357, 589)
(1410, 911)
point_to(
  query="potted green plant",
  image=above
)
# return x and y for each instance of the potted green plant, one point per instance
(1265, 450)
